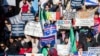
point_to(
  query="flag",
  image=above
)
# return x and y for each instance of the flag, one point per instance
(72, 41)
(42, 17)
(77, 39)
(53, 15)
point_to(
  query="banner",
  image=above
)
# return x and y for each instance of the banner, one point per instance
(76, 3)
(63, 49)
(17, 29)
(91, 2)
(47, 40)
(9, 2)
(34, 29)
(64, 24)
(69, 15)
(27, 17)
(32, 54)
(85, 19)
(50, 29)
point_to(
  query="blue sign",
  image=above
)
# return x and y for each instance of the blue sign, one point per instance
(77, 3)
(50, 29)
(48, 40)
(18, 29)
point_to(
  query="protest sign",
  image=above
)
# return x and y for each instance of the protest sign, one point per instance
(93, 50)
(33, 54)
(17, 29)
(69, 15)
(63, 49)
(27, 17)
(9, 2)
(16, 19)
(50, 29)
(76, 3)
(91, 2)
(34, 29)
(48, 40)
(84, 20)
(63, 24)
(15, 55)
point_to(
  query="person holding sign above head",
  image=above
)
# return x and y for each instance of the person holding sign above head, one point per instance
(25, 6)
(85, 13)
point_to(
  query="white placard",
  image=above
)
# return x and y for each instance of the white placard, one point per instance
(9, 2)
(85, 19)
(64, 24)
(32, 54)
(63, 49)
(34, 29)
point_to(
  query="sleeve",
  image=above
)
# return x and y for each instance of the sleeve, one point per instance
(20, 4)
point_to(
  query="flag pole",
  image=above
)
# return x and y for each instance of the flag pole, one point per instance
(41, 23)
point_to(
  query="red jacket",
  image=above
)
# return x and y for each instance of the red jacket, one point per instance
(23, 51)
(25, 8)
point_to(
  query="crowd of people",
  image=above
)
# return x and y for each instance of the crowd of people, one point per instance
(85, 36)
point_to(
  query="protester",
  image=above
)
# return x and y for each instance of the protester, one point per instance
(3, 49)
(12, 46)
(24, 6)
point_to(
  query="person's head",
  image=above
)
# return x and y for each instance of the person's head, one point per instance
(96, 15)
(88, 39)
(47, 7)
(36, 19)
(24, 1)
(2, 45)
(19, 38)
(62, 31)
(80, 48)
(11, 40)
(66, 40)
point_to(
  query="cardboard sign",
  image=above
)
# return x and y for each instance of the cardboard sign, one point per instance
(48, 40)
(84, 20)
(9, 2)
(64, 24)
(27, 17)
(32, 54)
(17, 29)
(63, 49)
(91, 2)
(34, 29)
